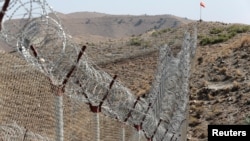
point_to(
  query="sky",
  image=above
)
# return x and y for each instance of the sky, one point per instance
(228, 11)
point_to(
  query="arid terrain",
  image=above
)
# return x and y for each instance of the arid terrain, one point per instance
(128, 46)
(220, 79)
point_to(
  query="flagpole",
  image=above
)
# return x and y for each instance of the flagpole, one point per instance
(202, 5)
(200, 13)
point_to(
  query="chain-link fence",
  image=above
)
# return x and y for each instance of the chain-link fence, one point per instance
(53, 91)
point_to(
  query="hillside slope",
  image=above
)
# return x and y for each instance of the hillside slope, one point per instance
(220, 86)
(116, 26)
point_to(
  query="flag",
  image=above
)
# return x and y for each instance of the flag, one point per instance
(202, 4)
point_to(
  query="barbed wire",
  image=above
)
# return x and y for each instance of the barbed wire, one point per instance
(33, 29)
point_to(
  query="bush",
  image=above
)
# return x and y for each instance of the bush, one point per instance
(247, 120)
(222, 34)
(205, 41)
(165, 30)
(160, 32)
(219, 39)
(146, 44)
(245, 41)
(139, 42)
(238, 29)
(231, 35)
(155, 34)
(139, 22)
(214, 40)
(135, 42)
(216, 30)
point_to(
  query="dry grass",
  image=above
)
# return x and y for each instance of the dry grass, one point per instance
(193, 121)
(245, 41)
(236, 86)
(239, 73)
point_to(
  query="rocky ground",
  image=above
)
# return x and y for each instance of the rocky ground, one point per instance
(220, 92)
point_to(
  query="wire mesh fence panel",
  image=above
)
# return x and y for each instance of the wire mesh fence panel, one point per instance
(78, 120)
(114, 130)
(25, 96)
(135, 135)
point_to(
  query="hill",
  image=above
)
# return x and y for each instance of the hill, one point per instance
(95, 27)
(116, 26)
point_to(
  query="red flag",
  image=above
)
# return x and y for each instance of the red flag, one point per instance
(202, 4)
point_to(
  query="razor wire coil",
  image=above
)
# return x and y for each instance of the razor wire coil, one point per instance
(54, 54)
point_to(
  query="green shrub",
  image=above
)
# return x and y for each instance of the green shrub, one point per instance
(238, 29)
(155, 34)
(139, 42)
(135, 42)
(247, 120)
(205, 41)
(139, 22)
(231, 34)
(214, 40)
(219, 39)
(200, 36)
(165, 30)
(160, 32)
(216, 30)
(219, 35)
(146, 43)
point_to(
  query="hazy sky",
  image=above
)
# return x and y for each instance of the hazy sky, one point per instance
(229, 11)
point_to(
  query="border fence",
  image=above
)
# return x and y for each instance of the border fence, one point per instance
(53, 91)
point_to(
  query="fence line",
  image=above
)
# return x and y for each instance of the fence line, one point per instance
(41, 40)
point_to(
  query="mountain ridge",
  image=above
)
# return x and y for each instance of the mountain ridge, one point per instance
(116, 26)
